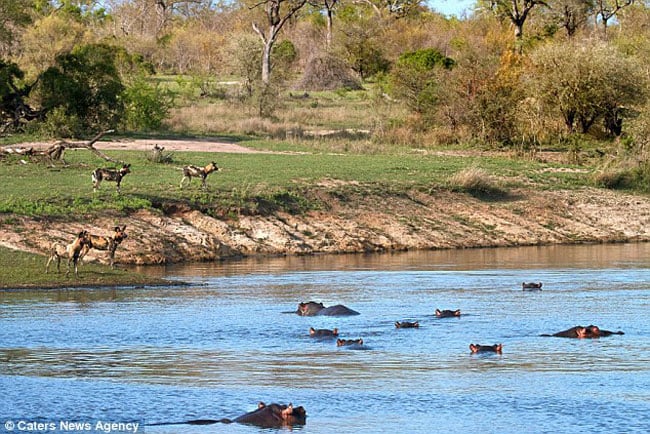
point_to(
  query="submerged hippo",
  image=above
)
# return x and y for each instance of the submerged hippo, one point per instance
(323, 333)
(447, 313)
(580, 332)
(496, 348)
(349, 342)
(312, 308)
(266, 416)
(273, 416)
(406, 325)
(531, 286)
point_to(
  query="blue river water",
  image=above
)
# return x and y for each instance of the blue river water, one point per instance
(230, 339)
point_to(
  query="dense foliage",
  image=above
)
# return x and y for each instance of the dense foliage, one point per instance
(476, 79)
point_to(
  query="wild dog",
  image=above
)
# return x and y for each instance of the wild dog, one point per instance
(72, 251)
(198, 172)
(114, 175)
(105, 243)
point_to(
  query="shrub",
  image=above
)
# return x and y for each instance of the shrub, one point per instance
(145, 106)
(475, 181)
(86, 85)
(415, 78)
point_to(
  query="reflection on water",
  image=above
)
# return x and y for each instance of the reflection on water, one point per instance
(216, 348)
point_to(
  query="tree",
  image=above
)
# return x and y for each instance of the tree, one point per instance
(587, 82)
(13, 108)
(329, 6)
(395, 8)
(359, 42)
(607, 9)
(415, 78)
(14, 14)
(276, 18)
(84, 85)
(48, 38)
(573, 14)
(517, 11)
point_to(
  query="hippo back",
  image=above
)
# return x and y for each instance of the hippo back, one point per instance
(337, 310)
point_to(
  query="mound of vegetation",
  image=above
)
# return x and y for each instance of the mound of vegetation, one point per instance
(328, 73)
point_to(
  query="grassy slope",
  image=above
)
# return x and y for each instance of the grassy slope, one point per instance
(21, 270)
(37, 190)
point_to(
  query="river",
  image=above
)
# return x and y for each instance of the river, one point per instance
(230, 339)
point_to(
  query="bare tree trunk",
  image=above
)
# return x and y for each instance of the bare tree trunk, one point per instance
(276, 21)
(328, 37)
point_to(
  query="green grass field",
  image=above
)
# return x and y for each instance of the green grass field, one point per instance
(26, 270)
(38, 190)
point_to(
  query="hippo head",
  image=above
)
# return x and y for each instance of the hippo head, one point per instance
(592, 331)
(496, 348)
(582, 332)
(287, 413)
(309, 308)
(274, 416)
(344, 342)
(447, 313)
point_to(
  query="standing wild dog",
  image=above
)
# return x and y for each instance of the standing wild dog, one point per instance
(105, 243)
(115, 175)
(198, 172)
(72, 251)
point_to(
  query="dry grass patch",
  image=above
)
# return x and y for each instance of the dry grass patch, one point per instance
(477, 182)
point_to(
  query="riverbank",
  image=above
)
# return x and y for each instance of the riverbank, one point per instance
(273, 203)
(360, 221)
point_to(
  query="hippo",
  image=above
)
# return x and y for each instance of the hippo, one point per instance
(580, 332)
(273, 416)
(496, 348)
(323, 333)
(406, 325)
(266, 416)
(447, 313)
(312, 308)
(531, 286)
(349, 342)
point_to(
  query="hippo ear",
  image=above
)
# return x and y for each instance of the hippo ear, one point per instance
(472, 347)
(499, 347)
(438, 312)
(260, 405)
(287, 411)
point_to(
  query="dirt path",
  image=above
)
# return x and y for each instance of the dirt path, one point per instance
(194, 145)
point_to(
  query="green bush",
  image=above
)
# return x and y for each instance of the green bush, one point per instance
(416, 76)
(146, 106)
(86, 85)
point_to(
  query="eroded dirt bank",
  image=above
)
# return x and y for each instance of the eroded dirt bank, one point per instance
(416, 220)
